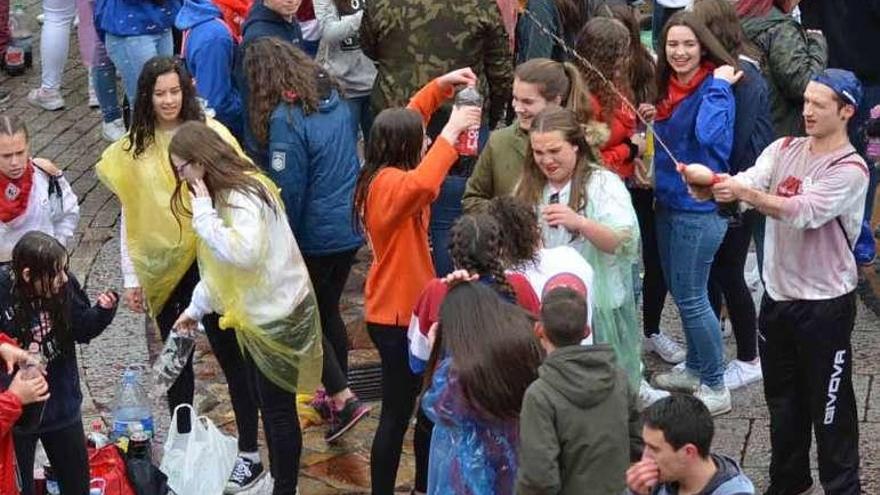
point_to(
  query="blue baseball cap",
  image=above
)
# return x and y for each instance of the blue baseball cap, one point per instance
(843, 82)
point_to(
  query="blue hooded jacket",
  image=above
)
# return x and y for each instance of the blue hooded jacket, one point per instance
(134, 18)
(209, 52)
(753, 130)
(700, 130)
(313, 159)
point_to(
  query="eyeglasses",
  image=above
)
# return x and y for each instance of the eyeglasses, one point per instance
(182, 166)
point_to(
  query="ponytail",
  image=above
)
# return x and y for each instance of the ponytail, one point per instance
(578, 98)
(558, 80)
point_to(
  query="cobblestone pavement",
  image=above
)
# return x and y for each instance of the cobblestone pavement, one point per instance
(71, 138)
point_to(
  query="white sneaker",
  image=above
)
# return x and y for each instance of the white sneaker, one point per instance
(717, 401)
(649, 395)
(47, 99)
(93, 97)
(740, 373)
(113, 131)
(677, 380)
(668, 349)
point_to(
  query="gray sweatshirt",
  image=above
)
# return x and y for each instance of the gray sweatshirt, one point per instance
(340, 51)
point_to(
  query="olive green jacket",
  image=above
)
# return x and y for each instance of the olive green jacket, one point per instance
(498, 168)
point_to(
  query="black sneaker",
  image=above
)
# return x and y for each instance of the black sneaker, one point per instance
(346, 418)
(244, 475)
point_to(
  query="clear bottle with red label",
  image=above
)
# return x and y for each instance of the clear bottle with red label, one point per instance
(469, 140)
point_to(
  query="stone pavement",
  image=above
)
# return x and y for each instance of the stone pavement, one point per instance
(71, 138)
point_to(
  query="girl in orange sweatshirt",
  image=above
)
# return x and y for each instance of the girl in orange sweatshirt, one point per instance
(393, 201)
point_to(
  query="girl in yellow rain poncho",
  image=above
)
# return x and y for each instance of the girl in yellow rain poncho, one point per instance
(254, 275)
(158, 252)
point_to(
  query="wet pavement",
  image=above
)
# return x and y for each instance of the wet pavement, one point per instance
(71, 138)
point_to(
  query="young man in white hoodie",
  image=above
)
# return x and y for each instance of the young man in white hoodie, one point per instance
(34, 195)
(812, 190)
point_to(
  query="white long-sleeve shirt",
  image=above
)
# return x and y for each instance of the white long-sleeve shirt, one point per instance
(260, 241)
(55, 215)
(808, 252)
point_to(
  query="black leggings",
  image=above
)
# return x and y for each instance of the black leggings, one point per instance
(400, 388)
(329, 274)
(726, 278)
(66, 449)
(653, 285)
(281, 425)
(228, 354)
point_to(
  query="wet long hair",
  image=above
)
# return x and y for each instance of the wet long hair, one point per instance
(35, 307)
(721, 19)
(494, 352)
(641, 62)
(143, 122)
(531, 185)
(520, 231)
(712, 49)
(605, 43)
(476, 246)
(396, 139)
(558, 79)
(225, 169)
(10, 125)
(277, 71)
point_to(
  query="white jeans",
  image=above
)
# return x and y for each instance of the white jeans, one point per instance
(55, 40)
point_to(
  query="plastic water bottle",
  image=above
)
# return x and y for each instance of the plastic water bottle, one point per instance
(19, 53)
(32, 414)
(171, 361)
(131, 406)
(469, 140)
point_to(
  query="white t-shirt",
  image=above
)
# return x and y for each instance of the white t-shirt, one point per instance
(562, 259)
(675, 4)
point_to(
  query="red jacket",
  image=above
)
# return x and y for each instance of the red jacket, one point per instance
(615, 152)
(10, 410)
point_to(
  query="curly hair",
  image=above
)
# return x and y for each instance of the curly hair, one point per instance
(605, 43)
(143, 121)
(520, 231)
(476, 246)
(277, 71)
(641, 62)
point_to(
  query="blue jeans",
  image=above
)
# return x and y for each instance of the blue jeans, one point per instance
(361, 114)
(444, 212)
(687, 243)
(130, 53)
(104, 79)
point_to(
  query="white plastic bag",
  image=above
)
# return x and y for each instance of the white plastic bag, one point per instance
(198, 462)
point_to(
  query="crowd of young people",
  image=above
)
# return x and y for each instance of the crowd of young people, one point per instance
(503, 290)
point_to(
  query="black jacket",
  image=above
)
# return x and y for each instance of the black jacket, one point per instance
(87, 322)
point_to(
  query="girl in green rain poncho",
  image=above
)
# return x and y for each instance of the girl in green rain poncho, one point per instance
(254, 276)
(587, 207)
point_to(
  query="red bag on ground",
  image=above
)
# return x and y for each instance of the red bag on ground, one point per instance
(107, 463)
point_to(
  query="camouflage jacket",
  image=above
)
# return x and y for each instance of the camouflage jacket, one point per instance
(791, 56)
(414, 41)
